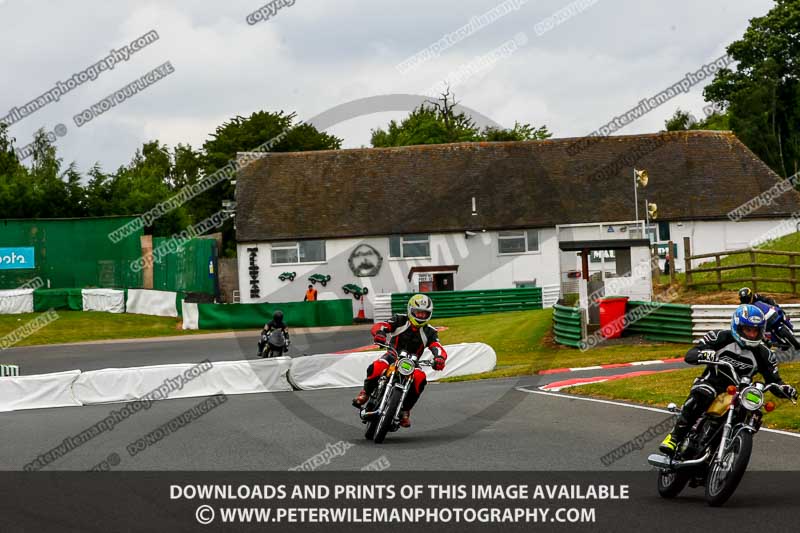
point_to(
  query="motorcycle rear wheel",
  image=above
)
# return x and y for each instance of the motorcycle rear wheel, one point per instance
(737, 456)
(385, 422)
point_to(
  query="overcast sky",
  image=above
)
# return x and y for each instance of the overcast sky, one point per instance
(316, 54)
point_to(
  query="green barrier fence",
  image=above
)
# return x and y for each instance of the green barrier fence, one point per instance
(466, 303)
(296, 314)
(44, 299)
(567, 326)
(660, 321)
(73, 252)
(186, 270)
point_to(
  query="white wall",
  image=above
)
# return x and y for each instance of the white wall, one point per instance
(480, 267)
(719, 235)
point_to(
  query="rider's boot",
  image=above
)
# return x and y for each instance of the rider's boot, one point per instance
(670, 444)
(405, 418)
(361, 399)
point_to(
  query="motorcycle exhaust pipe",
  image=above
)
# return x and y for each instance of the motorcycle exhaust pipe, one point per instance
(664, 462)
(370, 414)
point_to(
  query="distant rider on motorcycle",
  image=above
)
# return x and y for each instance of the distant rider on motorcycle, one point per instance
(276, 323)
(409, 332)
(747, 296)
(740, 346)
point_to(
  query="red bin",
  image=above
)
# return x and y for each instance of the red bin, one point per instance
(612, 309)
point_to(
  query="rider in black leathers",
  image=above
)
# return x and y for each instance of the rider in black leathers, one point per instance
(276, 323)
(741, 346)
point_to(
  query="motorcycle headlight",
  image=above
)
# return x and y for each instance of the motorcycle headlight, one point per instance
(405, 367)
(752, 399)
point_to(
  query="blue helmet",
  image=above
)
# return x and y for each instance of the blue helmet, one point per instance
(747, 315)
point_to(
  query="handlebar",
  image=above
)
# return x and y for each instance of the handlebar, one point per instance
(393, 351)
(727, 364)
(739, 380)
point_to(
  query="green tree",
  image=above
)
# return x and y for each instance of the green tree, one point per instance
(242, 134)
(436, 122)
(762, 94)
(520, 132)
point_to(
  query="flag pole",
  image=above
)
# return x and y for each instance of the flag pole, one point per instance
(636, 195)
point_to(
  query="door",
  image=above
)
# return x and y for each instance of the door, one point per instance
(443, 282)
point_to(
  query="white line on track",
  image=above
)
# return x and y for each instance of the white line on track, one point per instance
(642, 407)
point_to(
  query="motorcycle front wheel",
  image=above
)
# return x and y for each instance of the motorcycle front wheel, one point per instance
(373, 404)
(387, 416)
(724, 477)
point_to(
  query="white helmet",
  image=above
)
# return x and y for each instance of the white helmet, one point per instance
(420, 309)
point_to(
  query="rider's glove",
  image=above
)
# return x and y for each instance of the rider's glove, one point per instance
(380, 337)
(438, 363)
(707, 356)
(789, 392)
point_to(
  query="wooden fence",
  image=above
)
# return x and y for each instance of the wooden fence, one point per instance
(752, 280)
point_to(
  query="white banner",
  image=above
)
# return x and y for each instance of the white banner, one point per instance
(150, 302)
(191, 315)
(176, 381)
(328, 371)
(16, 301)
(38, 391)
(108, 300)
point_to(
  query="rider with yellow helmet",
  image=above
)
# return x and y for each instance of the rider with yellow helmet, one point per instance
(409, 332)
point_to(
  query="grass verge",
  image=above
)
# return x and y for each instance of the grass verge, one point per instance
(524, 346)
(81, 326)
(660, 389)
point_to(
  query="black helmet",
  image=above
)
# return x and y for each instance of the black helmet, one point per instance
(746, 295)
(277, 316)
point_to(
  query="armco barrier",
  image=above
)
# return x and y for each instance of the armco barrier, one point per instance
(38, 391)
(466, 303)
(327, 371)
(708, 317)
(296, 314)
(661, 321)
(9, 370)
(228, 377)
(567, 325)
(381, 307)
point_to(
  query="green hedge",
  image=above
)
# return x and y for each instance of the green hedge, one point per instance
(296, 314)
(667, 322)
(567, 327)
(466, 303)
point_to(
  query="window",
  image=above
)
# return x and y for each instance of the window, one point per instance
(518, 242)
(298, 252)
(663, 231)
(403, 246)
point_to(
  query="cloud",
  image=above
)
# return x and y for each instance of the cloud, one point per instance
(314, 55)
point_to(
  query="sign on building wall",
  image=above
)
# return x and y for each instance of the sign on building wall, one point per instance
(16, 258)
(365, 261)
(255, 290)
(597, 255)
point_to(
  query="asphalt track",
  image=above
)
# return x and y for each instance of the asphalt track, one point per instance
(184, 349)
(505, 424)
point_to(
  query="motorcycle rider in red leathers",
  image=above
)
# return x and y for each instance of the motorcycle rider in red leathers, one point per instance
(409, 332)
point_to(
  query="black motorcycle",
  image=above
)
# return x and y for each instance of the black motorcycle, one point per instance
(381, 413)
(779, 328)
(717, 450)
(276, 344)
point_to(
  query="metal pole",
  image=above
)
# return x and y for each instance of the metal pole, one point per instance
(635, 195)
